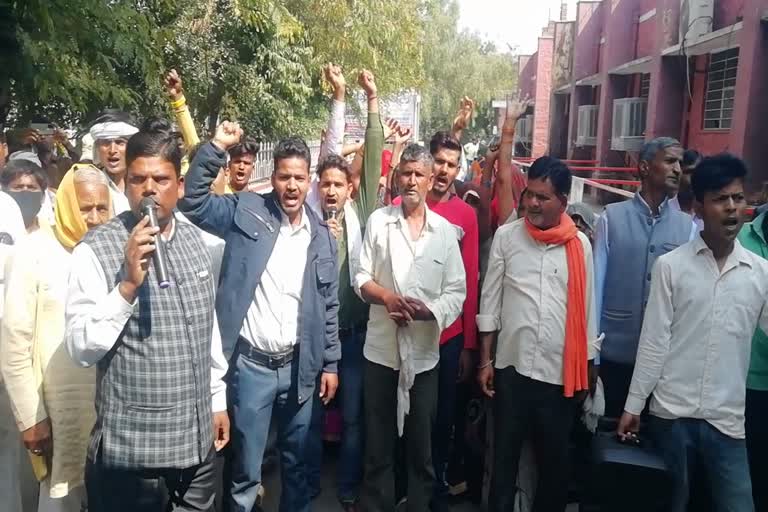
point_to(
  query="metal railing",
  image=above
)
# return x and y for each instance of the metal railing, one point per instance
(264, 163)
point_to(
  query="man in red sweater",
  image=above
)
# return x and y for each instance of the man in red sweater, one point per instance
(458, 342)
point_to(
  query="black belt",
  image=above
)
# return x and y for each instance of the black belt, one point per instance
(271, 361)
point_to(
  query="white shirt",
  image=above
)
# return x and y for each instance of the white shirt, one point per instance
(119, 200)
(524, 297)
(272, 322)
(11, 230)
(429, 269)
(695, 344)
(95, 319)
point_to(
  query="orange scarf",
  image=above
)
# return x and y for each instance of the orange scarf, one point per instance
(575, 351)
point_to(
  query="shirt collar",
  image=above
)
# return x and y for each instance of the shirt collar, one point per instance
(647, 207)
(756, 226)
(739, 254)
(397, 217)
(303, 223)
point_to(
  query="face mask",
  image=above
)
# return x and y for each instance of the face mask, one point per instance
(29, 203)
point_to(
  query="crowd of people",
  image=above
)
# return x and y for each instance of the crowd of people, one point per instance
(160, 316)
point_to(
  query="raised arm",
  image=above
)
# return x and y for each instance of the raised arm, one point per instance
(374, 144)
(402, 136)
(507, 188)
(334, 133)
(463, 116)
(206, 210)
(173, 87)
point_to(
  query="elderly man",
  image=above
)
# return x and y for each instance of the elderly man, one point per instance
(110, 134)
(411, 272)
(630, 237)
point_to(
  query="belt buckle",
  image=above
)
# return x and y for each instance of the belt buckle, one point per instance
(274, 362)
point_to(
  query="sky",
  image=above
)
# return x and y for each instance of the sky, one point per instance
(514, 22)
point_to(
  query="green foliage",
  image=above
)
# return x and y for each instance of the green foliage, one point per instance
(256, 61)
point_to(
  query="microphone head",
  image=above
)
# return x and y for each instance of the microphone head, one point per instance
(332, 212)
(147, 204)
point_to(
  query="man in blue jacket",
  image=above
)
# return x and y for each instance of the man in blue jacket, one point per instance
(278, 305)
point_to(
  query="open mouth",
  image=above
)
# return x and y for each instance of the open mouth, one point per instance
(113, 162)
(290, 200)
(441, 180)
(731, 223)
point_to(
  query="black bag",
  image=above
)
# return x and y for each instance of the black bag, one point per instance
(626, 477)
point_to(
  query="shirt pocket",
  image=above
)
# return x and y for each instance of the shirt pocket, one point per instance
(252, 223)
(430, 271)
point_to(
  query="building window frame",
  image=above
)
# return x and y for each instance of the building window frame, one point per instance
(645, 85)
(720, 92)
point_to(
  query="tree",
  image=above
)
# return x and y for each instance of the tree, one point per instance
(459, 63)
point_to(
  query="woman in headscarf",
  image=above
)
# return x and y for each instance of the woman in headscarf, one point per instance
(52, 398)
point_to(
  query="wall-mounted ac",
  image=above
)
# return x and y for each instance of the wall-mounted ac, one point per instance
(586, 130)
(524, 129)
(628, 126)
(696, 17)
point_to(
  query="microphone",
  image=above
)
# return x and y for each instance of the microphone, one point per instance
(332, 212)
(148, 208)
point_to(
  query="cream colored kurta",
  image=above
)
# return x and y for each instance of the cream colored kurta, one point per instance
(32, 344)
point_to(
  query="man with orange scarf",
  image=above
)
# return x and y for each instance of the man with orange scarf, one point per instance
(537, 308)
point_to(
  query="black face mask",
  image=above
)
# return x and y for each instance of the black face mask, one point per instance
(29, 203)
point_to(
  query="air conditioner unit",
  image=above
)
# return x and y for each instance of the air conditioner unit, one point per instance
(696, 17)
(628, 127)
(524, 129)
(586, 131)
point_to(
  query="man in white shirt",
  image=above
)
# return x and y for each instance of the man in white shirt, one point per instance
(16, 481)
(110, 134)
(412, 274)
(707, 297)
(537, 307)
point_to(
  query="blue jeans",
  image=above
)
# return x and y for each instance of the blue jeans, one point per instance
(448, 372)
(350, 400)
(724, 459)
(256, 395)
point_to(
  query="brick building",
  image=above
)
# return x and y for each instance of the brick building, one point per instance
(628, 70)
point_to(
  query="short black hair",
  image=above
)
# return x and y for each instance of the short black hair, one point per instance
(690, 157)
(553, 169)
(247, 146)
(334, 162)
(17, 168)
(292, 147)
(156, 124)
(444, 140)
(716, 172)
(166, 145)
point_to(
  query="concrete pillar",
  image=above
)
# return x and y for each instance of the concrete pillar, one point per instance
(543, 98)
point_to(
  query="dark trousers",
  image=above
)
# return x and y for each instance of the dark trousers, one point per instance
(529, 409)
(616, 379)
(448, 372)
(757, 445)
(380, 409)
(151, 490)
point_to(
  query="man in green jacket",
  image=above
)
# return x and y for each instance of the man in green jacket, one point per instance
(754, 237)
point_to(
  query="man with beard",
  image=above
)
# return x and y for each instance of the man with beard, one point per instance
(278, 305)
(707, 298)
(110, 134)
(537, 310)
(412, 275)
(630, 236)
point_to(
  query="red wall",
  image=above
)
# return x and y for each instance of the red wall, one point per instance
(708, 142)
(727, 12)
(646, 38)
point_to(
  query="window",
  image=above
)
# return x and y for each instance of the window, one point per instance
(721, 85)
(645, 85)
